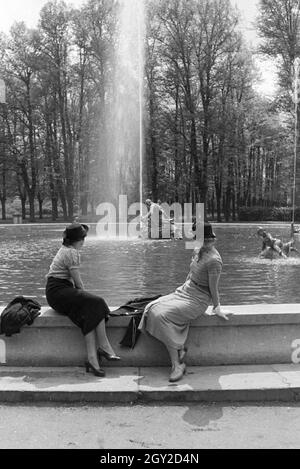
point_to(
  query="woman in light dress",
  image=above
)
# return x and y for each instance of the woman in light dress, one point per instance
(168, 318)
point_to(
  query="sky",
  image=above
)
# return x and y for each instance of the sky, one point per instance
(23, 10)
(267, 70)
(28, 11)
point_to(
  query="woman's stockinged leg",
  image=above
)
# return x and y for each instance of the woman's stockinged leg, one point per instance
(178, 369)
(173, 352)
(103, 341)
(91, 348)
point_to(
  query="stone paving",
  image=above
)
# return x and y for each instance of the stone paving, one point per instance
(147, 384)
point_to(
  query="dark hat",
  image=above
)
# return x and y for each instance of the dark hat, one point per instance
(208, 231)
(75, 232)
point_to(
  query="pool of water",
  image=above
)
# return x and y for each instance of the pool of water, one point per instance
(122, 270)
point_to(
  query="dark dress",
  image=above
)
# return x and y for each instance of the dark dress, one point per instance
(85, 310)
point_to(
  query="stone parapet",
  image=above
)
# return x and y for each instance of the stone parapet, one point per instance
(255, 334)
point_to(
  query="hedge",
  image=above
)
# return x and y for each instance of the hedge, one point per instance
(267, 214)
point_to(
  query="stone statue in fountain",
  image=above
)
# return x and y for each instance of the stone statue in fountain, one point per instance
(273, 248)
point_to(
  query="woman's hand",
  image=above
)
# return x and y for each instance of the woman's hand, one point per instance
(217, 311)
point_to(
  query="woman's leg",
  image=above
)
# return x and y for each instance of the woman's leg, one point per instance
(91, 348)
(173, 352)
(103, 341)
(178, 369)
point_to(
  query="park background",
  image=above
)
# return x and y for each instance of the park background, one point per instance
(218, 108)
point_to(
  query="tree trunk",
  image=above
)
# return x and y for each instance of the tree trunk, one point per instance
(40, 201)
(23, 205)
(219, 203)
(31, 207)
(31, 189)
(84, 204)
(3, 195)
(54, 209)
(233, 200)
(58, 170)
(67, 156)
(3, 208)
(213, 206)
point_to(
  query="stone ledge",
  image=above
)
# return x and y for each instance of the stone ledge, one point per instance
(242, 315)
(255, 334)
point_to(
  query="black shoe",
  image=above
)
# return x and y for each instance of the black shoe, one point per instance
(101, 353)
(97, 372)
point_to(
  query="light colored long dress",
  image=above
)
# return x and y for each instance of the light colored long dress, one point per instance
(168, 318)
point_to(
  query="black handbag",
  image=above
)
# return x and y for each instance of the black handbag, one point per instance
(132, 332)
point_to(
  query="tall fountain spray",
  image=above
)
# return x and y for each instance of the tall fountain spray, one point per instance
(141, 32)
(126, 140)
(296, 98)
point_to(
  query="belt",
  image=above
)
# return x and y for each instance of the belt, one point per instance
(202, 287)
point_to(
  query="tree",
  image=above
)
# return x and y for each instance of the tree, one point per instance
(279, 26)
(55, 39)
(20, 59)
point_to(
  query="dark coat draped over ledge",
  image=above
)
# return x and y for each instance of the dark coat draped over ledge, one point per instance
(19, 312)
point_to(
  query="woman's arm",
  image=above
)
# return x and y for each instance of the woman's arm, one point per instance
(73, 265)
(214, 272)
(213, 283)
(75, 274)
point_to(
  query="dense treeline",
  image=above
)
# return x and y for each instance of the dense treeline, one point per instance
(58, 89)
(209, 137)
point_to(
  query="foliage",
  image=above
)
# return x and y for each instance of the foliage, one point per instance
(259, 213)
(208, 136)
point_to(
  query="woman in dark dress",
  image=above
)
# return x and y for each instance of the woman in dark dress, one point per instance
(65, 294)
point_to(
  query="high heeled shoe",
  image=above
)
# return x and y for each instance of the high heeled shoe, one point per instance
(177, 373)
(97, 371)
(101, 353)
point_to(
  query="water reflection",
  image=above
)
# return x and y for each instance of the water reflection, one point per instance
(121, 270)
